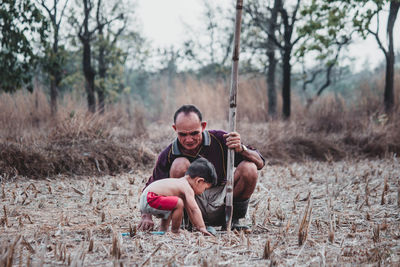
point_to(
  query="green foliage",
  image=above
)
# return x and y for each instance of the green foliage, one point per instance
(72, 72)
(21, 24)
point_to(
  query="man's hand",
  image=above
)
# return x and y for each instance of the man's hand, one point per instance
(233, 141)
(146, 224)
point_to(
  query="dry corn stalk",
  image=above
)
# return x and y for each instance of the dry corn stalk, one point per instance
(331, 234)
(7, 261)
(3, 192)
(375, 232)
(132, 230)
(5, 218)
(367, 191)
(151, 254)
(116, 247)
(398, 194)
(91, 194)
(91, 245)
(27, 245)
(305, 222)
(268, 249)
(384, 191)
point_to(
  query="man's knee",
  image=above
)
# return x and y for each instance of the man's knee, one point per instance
(247, 172)
(179, 167)
(245, 181)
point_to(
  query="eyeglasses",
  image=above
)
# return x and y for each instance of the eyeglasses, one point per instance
(194, 133)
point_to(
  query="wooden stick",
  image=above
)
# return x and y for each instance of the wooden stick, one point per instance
(232, 114)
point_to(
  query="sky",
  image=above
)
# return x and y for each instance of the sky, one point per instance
(164, 20)
(163, 23)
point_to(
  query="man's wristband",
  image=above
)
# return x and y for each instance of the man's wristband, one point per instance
(244, 148)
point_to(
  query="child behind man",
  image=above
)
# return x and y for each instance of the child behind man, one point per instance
(168, 197)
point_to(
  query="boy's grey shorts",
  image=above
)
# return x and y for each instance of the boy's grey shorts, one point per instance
(212, 205)
(146, 208)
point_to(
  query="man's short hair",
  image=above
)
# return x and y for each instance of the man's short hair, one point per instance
(186, 109)
(201, 167)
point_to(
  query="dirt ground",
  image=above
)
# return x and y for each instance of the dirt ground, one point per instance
(352, 217)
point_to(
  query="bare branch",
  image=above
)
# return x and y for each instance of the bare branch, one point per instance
(255, 15)
(62, 13)
(314, 75)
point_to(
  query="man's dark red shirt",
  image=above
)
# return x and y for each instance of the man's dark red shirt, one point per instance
(213, 148)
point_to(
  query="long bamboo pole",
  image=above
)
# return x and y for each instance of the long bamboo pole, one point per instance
(232, 114)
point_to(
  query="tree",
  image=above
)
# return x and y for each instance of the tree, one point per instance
(108, 53)
(388, 51)
(211, 52)
(86, 32)
(327, 33)
(361, 14)
(284, 39)
(21, 24)
(261, 39)
(86, 35)
(53, 62)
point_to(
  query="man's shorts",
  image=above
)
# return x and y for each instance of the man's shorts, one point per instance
(212, 205)
(157, 205)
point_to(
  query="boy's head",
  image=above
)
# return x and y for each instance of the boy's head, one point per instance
(201, 167)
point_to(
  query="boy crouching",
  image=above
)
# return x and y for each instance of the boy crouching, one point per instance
(167, 198)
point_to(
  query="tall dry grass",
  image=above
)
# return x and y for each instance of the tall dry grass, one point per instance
(34, 143)
(128, 136)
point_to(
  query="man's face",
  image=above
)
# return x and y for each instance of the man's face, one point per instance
(189, 129)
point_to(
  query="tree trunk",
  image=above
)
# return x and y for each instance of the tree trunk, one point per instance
(55, 71)
(287, 69)
(53, 96)
(389, 84)
(102, 73)
(271, 85)
(89, 76)
(272, 102)
(101, 99)
(88, 70)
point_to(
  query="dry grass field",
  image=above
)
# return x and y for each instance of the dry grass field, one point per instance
(314, 213)
(69, 185)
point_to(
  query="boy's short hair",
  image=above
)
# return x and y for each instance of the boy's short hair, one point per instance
(201, 167)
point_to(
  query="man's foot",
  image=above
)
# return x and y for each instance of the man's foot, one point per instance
(236, 226)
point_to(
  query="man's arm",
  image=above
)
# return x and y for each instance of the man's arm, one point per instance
(233, 141)
(253, 156)
(162, 167)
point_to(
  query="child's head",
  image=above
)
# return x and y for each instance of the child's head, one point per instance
(202, 168)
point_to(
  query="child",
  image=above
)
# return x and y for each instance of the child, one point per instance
(166, 198)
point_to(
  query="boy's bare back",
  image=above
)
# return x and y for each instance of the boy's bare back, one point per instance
(171, 187)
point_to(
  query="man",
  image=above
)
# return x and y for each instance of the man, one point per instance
(194, 141)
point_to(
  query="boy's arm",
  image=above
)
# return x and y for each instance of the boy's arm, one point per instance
(194, 212)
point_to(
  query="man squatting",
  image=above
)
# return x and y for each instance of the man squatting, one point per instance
(194, 141)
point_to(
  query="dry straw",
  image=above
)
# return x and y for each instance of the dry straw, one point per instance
(305, 222)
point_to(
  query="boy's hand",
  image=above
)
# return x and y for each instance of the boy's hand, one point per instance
(205, 232)
(146, 224)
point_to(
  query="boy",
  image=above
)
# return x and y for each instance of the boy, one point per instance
(166, 198)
